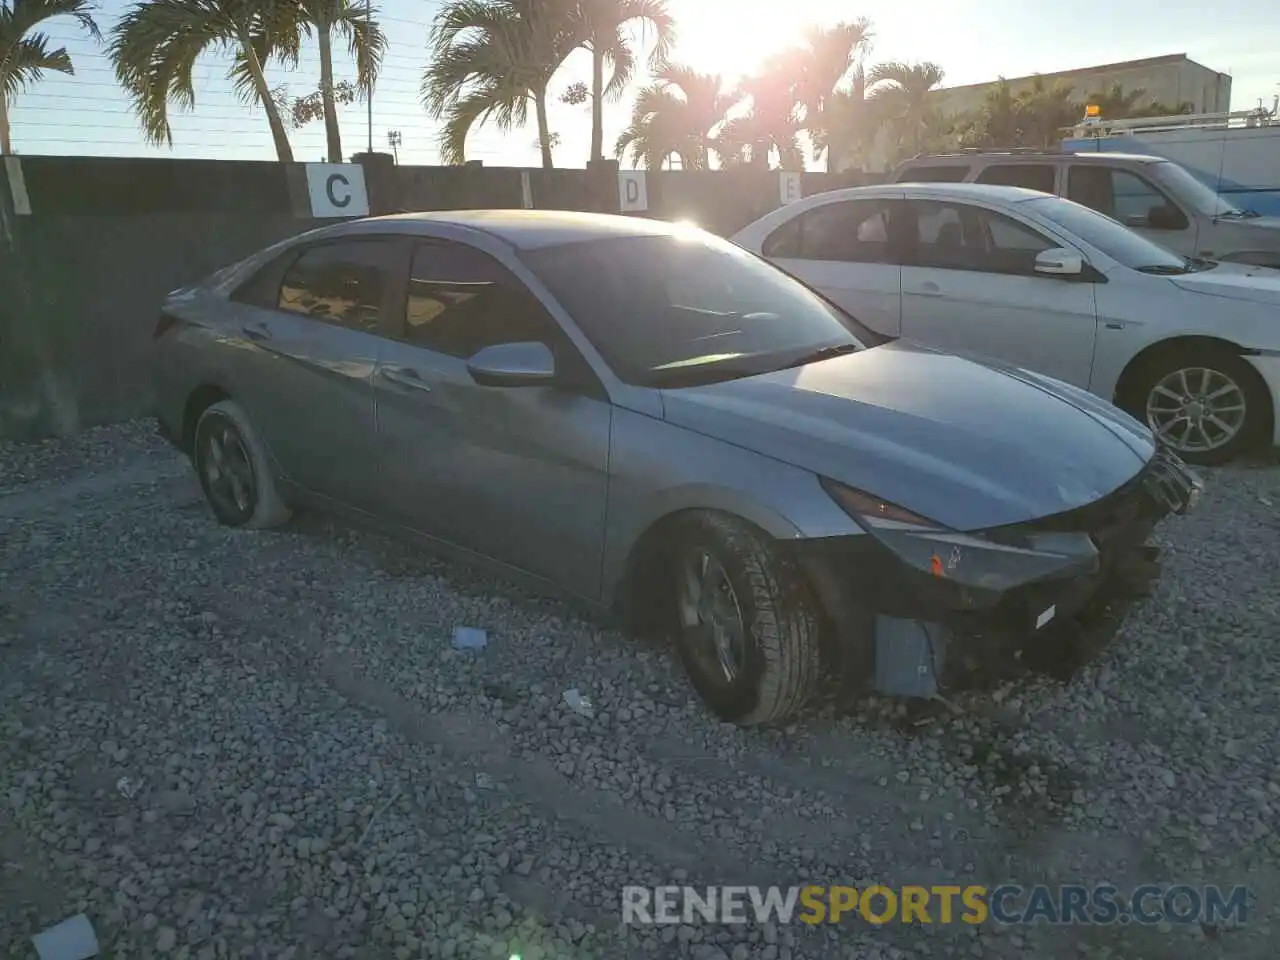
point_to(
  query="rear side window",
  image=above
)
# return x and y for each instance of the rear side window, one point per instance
(344, 284)
(944, 173)
(853, 231)
(1032, 176)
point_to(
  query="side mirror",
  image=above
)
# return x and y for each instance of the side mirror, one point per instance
(513, 365)
(1059, 262)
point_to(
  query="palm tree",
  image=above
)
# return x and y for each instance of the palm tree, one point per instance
(1044, 110)
(1117, 102)
(676, 115)
(901, 93)
(489, 59)
(25, 54)
(772, 123)
(832, 84)
(156, 43)
(355, 23)
(601, 26)
(998, 122)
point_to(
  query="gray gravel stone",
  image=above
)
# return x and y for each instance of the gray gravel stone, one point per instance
(319, 773)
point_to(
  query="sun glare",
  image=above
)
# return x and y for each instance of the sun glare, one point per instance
(734, 39)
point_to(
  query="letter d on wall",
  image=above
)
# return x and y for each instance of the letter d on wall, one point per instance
(337, 190)
(633, 193)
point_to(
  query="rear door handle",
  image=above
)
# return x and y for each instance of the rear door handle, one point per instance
(405, 378)
(256, 331)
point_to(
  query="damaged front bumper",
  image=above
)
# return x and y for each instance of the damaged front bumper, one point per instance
(897, 597)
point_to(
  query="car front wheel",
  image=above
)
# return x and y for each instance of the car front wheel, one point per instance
(748, 629)
(234, 469)
(1208, 407)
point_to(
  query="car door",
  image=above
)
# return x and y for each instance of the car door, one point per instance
(848, 251)
(518, 474)
(969, 286)
(312, 322)
(1126, 195)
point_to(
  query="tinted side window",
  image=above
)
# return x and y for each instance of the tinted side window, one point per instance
(948, 173)
(1124, 196)
(1032, 176)
(953, 236)
(340, 283)
(855, 231)
(461, 300)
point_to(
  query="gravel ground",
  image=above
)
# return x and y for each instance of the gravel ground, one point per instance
(313, 771)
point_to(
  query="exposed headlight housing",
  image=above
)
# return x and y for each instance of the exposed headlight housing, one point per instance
(869, 510)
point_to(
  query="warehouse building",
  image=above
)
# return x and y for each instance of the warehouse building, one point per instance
(1171, 79)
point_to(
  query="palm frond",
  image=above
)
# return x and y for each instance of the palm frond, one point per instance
(366, 41)
(25, 63)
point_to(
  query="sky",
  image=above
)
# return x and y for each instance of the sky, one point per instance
(973, 42)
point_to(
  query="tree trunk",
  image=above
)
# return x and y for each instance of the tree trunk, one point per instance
(5, 146)
(597, 102)
(544, 128)
(284, 153)
(332, 135)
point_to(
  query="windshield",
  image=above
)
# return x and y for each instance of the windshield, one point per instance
(667, 311)
(1110, 236)
(1187, 188)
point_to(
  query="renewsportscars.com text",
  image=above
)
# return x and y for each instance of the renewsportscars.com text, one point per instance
(936, 904)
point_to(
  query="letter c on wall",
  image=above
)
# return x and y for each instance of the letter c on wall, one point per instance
(335, 178)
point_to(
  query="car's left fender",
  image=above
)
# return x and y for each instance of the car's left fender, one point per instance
(658, 470)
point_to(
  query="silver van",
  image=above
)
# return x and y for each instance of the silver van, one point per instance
(1156, 197)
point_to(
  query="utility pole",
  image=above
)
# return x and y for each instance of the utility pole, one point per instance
(368, 17)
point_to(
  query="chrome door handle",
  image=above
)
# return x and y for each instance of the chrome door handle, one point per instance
(405, 378)
(256, 331)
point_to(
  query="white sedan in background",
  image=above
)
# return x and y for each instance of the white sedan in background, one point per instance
(1191, 347)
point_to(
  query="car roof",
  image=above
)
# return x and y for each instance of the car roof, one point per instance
(526, 229)
(997, 156)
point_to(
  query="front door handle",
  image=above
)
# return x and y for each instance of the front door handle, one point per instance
(256, 331)
(929, 289)
(405, 378)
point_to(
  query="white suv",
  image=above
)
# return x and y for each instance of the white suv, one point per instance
(1191, 347)
(1154, 196)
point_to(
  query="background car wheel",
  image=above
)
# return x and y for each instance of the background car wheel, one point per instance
(1208, 406)
(234, 471)
(747, 628)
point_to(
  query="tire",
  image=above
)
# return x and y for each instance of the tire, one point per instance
(776, 658)
(241, 488)
(1165, 382)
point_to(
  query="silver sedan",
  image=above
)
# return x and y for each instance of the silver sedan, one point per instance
(652, 419)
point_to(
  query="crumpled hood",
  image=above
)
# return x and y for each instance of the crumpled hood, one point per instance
(969, 444)
(1235, 281)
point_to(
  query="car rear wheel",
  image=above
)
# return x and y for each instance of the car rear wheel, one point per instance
(1208, 407)
(748, 629)
(234, 470)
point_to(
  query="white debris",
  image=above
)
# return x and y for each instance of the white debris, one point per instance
(72, 939)
(469, 638)
(578, 703)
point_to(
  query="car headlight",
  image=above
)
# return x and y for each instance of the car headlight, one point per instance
(869, 510)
